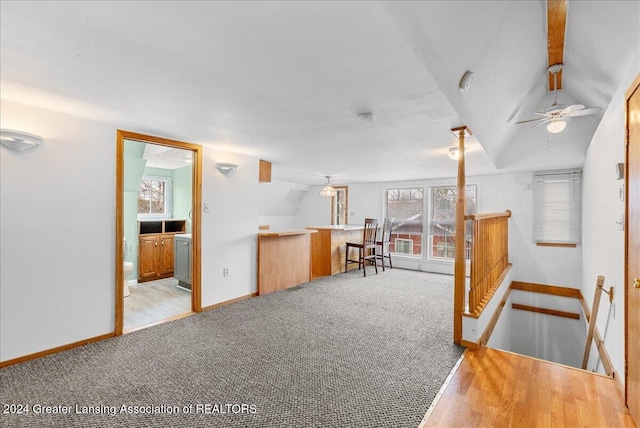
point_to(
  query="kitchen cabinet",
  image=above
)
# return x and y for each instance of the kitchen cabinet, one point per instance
(156, 248)
(182, 260)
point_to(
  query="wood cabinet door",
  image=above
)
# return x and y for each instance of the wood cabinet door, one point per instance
(166, 254)
(148, 257)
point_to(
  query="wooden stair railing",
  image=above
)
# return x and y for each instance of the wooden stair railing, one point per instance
(489, 256)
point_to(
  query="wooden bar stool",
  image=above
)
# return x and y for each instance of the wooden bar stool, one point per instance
(366, 248)
(385, 242)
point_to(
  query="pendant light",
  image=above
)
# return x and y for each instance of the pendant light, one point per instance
(327, 191)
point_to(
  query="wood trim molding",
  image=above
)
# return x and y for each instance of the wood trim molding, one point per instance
(486, 335)
(481, 216)
(346, 204)
(556, 26)
(228, 302)
(56, 350)
(196, 202)
(546, 311)
(492, 291)
(555, 244)
(470, 345)
(554, 290)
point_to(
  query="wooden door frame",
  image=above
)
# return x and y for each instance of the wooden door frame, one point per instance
(346, 204)
(635, 86)
(196, 205)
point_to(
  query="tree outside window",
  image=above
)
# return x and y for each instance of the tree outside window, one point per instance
(153, 197)
(406, 206)
(442, 227)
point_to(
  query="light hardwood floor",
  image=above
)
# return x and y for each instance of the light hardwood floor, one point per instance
(493, 388)
(153, 301)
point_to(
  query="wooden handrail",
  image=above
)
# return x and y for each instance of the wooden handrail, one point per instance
(482, 216)
(489, 257)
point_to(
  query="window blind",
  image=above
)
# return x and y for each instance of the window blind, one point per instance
(557, 207)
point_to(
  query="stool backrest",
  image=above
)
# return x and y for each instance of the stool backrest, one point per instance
(386, 229)
(370, 231)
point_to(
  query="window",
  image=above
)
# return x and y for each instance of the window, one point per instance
(404, 246)
(406, 206)
(442, 228)
(154, 197)
(340, 205)
(557, 207)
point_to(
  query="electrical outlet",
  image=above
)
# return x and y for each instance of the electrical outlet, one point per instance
(526, 187)
(225, 271)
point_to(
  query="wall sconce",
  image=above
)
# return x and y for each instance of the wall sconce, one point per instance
(453, 152)
(18, 140)
(225, 167)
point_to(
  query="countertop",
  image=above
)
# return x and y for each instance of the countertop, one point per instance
(346, 227)
(284, 232)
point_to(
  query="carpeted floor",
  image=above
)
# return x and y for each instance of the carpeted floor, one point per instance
(341, 351)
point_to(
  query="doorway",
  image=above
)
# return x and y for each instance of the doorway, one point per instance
(155, 228)
(340, 205)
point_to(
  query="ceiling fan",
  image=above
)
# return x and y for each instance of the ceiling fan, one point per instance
(556, 115)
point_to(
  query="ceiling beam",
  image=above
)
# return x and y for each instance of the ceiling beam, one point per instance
(556, 25)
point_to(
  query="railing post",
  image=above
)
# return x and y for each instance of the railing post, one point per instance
(460, 263)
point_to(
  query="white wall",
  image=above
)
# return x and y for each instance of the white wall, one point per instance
(229, 230)
(279, 204)
(543, 336)
(57, 213)
(603, 249)
(545, 265)
(57, 243)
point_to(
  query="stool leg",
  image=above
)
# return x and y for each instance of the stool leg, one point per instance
(346, 258)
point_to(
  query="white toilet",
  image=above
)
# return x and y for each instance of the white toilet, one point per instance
(128, 268)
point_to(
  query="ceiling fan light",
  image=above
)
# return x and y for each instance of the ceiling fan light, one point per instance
(454, 154)
(556, 126)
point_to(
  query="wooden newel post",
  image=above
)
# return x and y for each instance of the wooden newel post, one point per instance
(592, 321)
(460, 264)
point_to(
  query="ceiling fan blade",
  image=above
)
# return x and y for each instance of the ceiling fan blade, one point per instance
(543, 121)
(572, 108)
(585, 112)
(531, 120)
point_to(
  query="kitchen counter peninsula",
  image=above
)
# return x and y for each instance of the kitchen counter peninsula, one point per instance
(284, 259)
(328, 248)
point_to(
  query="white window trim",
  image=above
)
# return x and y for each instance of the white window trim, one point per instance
(167, 198)
(424, 206)
(427, 226)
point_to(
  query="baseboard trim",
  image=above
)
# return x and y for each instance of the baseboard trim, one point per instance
(228, 302)
(55, 350)
(553, 290)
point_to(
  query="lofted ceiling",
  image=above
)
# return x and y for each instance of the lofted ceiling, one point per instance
(286, 81)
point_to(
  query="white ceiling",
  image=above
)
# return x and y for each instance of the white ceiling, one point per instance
(285, 81)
